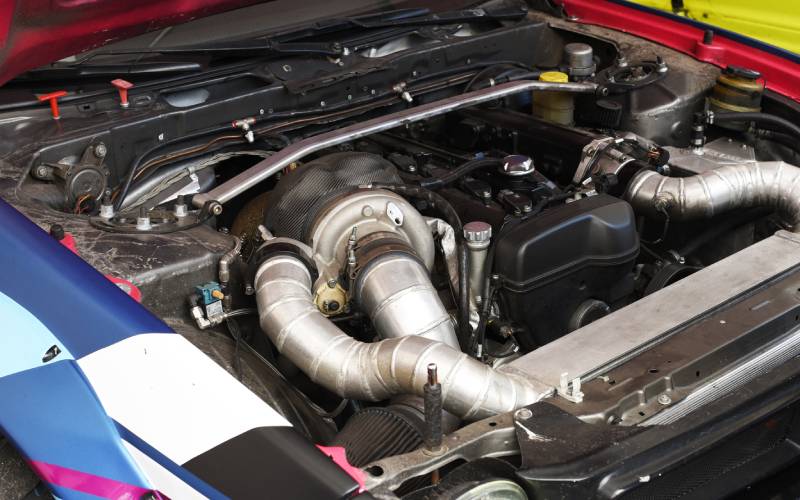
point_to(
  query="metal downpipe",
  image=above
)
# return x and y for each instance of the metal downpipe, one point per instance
(375, 371)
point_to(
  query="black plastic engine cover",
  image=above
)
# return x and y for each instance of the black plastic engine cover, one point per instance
(563, 258)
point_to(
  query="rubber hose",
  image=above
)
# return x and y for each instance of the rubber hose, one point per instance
(459, 172)
(760, 118)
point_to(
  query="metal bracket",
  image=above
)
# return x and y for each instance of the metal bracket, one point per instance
(570, 392)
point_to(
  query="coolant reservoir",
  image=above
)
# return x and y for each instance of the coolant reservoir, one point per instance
(558, 107)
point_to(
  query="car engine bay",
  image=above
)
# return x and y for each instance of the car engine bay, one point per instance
(423, 236)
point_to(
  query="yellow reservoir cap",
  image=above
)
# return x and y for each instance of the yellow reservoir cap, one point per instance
(554, 106)
(554, 77)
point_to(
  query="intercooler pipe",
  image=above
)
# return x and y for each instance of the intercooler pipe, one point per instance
(379, 370)
(758, 184)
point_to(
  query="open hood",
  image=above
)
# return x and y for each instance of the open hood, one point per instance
(37, 32)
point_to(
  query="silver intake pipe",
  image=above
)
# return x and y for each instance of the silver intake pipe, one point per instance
(397, 294)
(375, 371)
(773, 184)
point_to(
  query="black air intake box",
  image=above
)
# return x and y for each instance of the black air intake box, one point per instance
(558, 265)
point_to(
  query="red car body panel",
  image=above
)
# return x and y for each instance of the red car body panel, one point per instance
(37, 32)
(780, 73)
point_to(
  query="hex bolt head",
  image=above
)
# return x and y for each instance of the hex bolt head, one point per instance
(523, 414)
(100, 151)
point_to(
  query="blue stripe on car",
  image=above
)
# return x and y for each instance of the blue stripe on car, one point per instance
(25, 340)
(52, 415)
(72, 299)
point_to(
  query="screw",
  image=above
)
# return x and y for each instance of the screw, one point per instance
(433, 374)
(287, 68)
(215, 208)
(249, 290)
(331, 283)
(143, 220)
(100, 150)
(523, 414)
(161, 136)
(663, 399)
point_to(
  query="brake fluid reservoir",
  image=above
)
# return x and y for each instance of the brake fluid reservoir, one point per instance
(558, 107)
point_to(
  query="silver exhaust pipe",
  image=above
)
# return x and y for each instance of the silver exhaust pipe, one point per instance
(397, 294)
(377, 371)
(773, 184)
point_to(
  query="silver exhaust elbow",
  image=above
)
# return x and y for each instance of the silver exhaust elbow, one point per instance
(393, 366)
(397, 294)
(773, 184)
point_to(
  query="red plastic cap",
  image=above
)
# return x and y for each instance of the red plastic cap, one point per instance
(122, 87)
(53, 98)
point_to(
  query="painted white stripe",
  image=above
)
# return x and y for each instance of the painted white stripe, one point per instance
(163, 480)
(174, 397)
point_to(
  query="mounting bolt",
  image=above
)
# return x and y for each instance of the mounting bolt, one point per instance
(432, 403)
(214, 208)
(106, 207)
(42, 172)
(664, 399)
(180, 207)
(523, 414)
(100, 151)
(143, 220)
